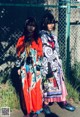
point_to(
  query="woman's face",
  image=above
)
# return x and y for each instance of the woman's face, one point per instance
(30, 28)
(50, 27)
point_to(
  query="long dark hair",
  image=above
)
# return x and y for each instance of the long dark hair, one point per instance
(31, 21)
(48, 18)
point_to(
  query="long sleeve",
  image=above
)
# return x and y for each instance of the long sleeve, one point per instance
(20, 46)
(19, 52)
(44, 39)
(39, 55)
(56, 45)
(39, 48)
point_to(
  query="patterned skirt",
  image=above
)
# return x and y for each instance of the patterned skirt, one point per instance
(55, 91)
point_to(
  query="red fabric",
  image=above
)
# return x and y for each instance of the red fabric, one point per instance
(20, 46)
(27, 96)
(52, 44)
(33, 97)
(55, 83)
(36, 95)
(37, 47)
(27, 92)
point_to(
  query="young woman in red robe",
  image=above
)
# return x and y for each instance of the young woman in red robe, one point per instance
(29, 53)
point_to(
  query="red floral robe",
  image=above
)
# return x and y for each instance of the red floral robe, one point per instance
(31, 82)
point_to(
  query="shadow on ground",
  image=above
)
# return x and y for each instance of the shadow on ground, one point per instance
(51, 115)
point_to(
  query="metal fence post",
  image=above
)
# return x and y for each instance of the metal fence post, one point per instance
(68, 39)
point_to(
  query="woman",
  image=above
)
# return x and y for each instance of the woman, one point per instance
(29, 53)
(54, 86)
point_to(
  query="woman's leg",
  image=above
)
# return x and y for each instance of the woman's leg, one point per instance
(46, 108)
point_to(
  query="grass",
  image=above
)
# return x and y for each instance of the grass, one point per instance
(73, 94)
(8, 96)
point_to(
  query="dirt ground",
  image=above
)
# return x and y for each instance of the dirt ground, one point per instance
(56, 112)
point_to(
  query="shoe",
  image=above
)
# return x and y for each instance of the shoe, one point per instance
(28, 115)
(69, 107)
(34, 115)
(66, 106)
(46, 109)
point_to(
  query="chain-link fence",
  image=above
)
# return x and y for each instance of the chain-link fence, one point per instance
(74, 33)
(75, 41)
(13, 14)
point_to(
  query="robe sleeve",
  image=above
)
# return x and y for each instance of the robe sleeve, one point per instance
(39, 48)
(20, 46)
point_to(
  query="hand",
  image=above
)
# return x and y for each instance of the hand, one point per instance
(19, 71)
(37, 73)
